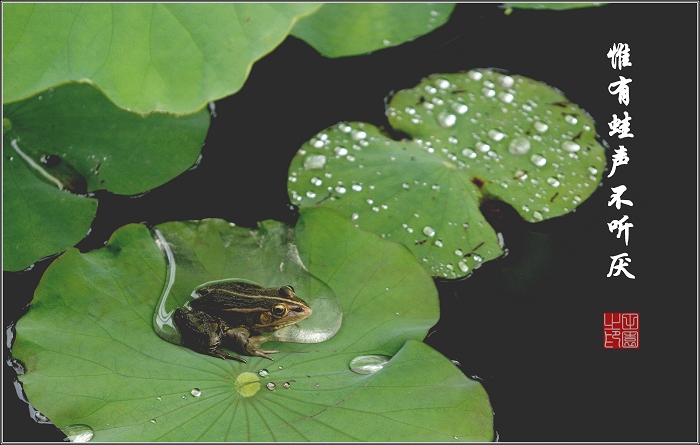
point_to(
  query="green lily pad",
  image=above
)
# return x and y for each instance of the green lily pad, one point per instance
(102, 365)
(475, 136)
(348, 29)
(69, 141)
(144, 56)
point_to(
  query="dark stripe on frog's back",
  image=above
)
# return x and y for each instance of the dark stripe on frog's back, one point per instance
(223, 296)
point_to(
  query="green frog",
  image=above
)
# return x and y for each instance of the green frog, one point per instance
(237, 315)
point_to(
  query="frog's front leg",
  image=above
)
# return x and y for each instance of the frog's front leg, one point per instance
(202, 333)
(241, 339)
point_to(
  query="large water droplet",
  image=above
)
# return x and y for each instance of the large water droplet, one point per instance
(506, 81)
(459, 108)
(482, 147)
(496, 135)
(428, 231)
(519, 146)
(570, 146)
(78, 432)
(446, 119)
(442, 84)
(368, 364)
(469, 153)
(475, 75)
(540, 126)
(358, 135)
(463, 266)
(506, 97)
(538, 160)
(314, 162)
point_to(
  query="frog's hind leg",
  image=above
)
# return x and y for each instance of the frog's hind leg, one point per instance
(240, 340)
(202, 333)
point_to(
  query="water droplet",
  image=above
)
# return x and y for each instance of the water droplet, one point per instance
(474, 75)
(316, 181)
(540, 126)
(340, 189)
(570, 146)
(463, 266)
(592, 170)
(438, 242)
(263, 373)
(345, 128)
(386, 42)
(482, 147)
(370, 201)
(428, 231)
(519, 146)
(310, 194)
(520, 174)
(159, 398)
(459, 252)
(496, 135)
(537, 215)
(357, 187)
(538, 160)
(358, 135)
(554, 182)
(478, 258)
(446, 119)
(570, 119)
(153, 421)
(354, 216)
(270, 385)
(314, 162)
(459, 108)
(196, 392)
(286, 384)
(442, 84)
(80, 432)
(435, 187)
(469, 153)
(488, 92)
(506, 97)
(340, 151)
(368, 364)
(506, 81)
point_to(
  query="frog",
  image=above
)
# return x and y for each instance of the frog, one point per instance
(239, 316)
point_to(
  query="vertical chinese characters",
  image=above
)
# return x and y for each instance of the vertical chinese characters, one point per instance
(619, 55)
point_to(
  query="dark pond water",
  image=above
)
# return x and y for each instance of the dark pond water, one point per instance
(529, 325)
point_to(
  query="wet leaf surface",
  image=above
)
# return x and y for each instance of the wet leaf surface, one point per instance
(348, 29)
(102, 365)
(476, 136)
(70, 141)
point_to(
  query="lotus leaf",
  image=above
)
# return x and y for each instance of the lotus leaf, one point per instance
(475, 137)
(92, 357)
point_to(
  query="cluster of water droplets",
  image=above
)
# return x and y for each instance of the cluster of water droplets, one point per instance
(539, 157)
(495, 129)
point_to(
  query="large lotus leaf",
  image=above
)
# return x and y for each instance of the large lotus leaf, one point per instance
(92, 357)
(73, 138)
(146, 57)
(38, 218)
(476, 135)
(348, 29)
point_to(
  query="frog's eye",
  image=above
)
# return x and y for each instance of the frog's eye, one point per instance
(280, 310)
(286, 291)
